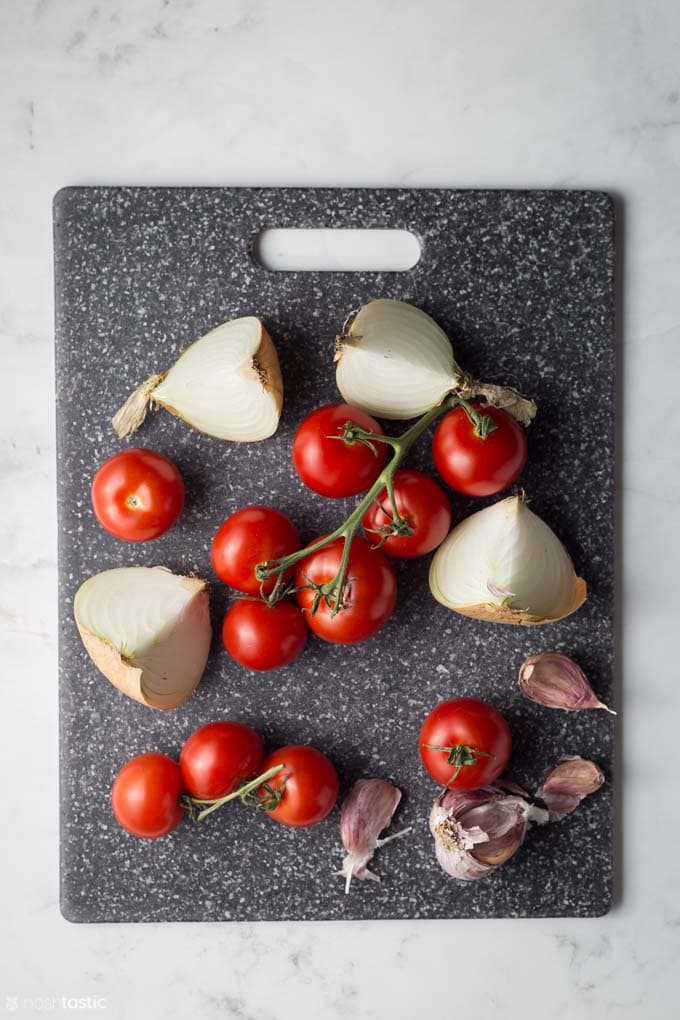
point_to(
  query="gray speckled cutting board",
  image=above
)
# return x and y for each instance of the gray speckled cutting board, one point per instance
(523, 282)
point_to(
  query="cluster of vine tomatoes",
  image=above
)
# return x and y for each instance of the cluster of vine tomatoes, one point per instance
(152, 792)
(269, 628)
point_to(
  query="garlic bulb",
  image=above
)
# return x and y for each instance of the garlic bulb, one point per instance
(505, 565)
(227, 384)
(366, 811)
(147, 630)
(395, 362)
(566, 786)
(476, 831)
(556, 681)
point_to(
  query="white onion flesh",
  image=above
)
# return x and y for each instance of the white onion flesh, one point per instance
(504, 564)
(227, 384)
(396, 362)
(147, 630)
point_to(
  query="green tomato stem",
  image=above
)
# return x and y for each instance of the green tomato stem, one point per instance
(239, 794)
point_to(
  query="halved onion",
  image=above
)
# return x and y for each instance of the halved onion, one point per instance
(227, 384)
(147, 630)
(394, 361)
(505, 565)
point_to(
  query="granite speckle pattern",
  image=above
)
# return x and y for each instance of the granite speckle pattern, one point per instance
(523, 282)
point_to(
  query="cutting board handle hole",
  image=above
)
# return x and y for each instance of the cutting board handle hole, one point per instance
(336, 250)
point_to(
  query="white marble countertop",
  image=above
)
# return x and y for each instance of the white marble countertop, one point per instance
(379, 92)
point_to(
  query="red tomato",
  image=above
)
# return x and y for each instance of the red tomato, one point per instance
(422, 504)
(264, 637)
(218, 758)
(250, 536)
(137, 494)
(479, 467)
(328, 464)
(369, 597)
(465, 743)
(145, 795)
(310, 786)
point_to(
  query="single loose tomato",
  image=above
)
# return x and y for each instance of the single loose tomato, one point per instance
(218, 758)
(306, 789)
(137, 494)
(476, 466)
(145, 795)
(250, 536)
(423, 511)
(259, 636)
(465, 743)
(329, 464)
(368, 599)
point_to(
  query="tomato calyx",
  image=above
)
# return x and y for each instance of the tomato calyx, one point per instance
(394, 525)
(199, 809)
(460, 755)
(335, 594)
(271, 799)
(353, 433)
(482, 424)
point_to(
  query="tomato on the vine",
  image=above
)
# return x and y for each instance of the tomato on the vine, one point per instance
(217, 758)
(261, 636)
(137, 494)
(421, 504)
(329, 464)
(250, 536)
(465, 743)
(145, 795)
(476, 466)
(306, 789)
(368, 599)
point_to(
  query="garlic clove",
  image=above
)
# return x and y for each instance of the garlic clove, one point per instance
(556, 681)
(366, 811)
(504, 564)
(568, 784)
(505, 823)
